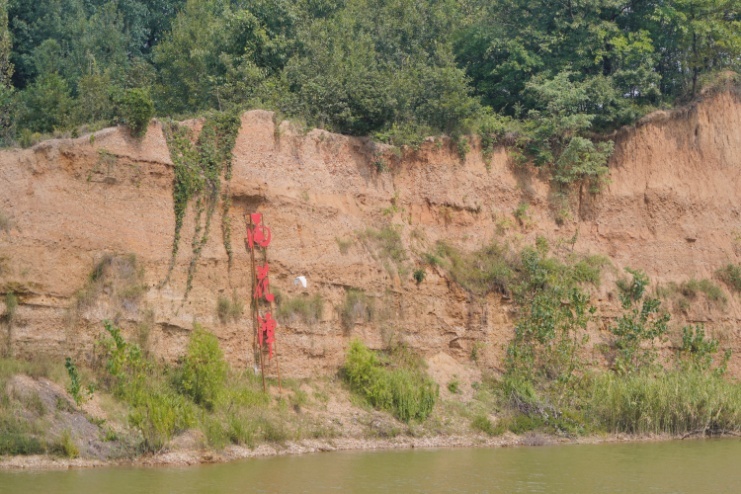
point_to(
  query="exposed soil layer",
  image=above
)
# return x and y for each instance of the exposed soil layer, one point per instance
(671, 208)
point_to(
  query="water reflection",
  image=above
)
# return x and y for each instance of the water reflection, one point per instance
(674, 467)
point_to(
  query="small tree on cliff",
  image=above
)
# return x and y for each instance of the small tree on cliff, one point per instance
(204, 369)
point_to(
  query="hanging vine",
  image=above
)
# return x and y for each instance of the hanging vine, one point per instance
(199, 168)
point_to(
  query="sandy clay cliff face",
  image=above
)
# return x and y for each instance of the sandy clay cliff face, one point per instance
(671, 208)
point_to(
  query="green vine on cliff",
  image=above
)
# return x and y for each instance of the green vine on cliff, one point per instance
(199, 168)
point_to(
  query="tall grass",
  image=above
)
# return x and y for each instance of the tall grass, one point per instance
(670, 402)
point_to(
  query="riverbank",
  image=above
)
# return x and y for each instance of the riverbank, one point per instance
(181, 458)
(46, 422)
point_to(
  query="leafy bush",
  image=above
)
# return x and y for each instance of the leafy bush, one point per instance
(636, 333)
(159, 415)
(521, 214)
(126, 369)
(136, 109)
(583, 160)
(697, 351)
(491, 130)
(632, 290)
(75, 385)
(398, 385)
(46, 104)
(463, 147)
(550, 336)
(157, 411)
(204, 370)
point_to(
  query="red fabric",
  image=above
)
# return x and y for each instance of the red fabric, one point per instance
(259, 234)
(263, 283)
(266, 332)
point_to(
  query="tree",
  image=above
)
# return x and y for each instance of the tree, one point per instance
(381, 66)
(6, 66)
(46, 104)
(6, 74)
(210, 46)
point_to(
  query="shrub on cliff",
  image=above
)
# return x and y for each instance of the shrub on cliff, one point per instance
(204, 369)
(136, 109)
(396, 382)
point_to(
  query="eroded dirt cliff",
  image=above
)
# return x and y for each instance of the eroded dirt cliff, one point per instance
(671, 208)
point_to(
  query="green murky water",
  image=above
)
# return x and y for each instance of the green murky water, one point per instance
(709, 466)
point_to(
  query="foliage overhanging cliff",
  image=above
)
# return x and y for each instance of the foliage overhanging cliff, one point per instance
(552, 73)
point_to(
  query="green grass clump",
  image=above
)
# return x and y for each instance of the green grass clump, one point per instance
(730, 274)
(229, 309)
(396, 383)
(692, 287)
(65, 446)
(10, 367)
(309, 309)
(11, 305)
(482, 423)
(241, 414)
(386, 243)
(119, 276)
(491, 269)
(5, 223)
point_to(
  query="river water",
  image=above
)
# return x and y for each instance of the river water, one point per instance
(697, 466)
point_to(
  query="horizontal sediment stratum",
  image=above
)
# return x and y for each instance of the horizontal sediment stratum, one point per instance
(366, 238)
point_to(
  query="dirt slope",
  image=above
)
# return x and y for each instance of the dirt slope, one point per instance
(671, 208)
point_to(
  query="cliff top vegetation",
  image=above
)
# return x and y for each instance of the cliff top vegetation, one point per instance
(552, 73)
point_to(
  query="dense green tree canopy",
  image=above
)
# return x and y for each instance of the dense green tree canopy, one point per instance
(393, 68)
